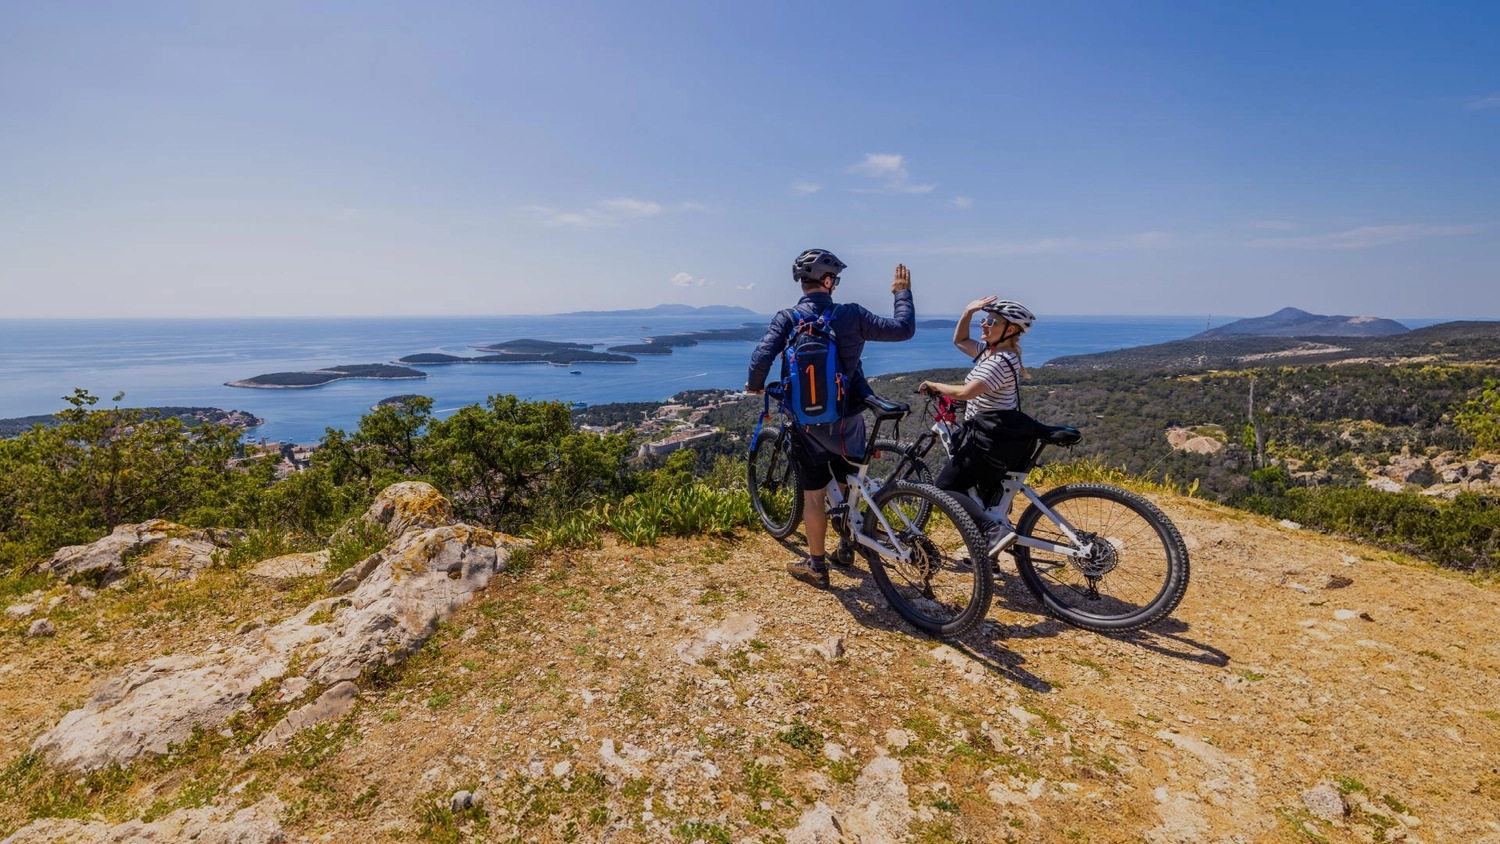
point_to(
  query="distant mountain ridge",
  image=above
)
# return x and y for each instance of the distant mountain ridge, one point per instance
(671, 310)
(1294, 322)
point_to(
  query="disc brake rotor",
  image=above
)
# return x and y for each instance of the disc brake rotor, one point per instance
(1101, 559)
(923, 556)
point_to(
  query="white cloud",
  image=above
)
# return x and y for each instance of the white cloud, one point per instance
(604, 213)
(1492, 101)
(631, 207)
(1365, 237)
(882, 165)
(750, 286)
(890, 168)
(688, 280)
(1040, 246)
(805, 188)
(963, 202)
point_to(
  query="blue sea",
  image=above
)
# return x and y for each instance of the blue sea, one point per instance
(187, 362)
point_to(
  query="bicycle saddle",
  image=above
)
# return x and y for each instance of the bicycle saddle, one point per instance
(1059, 435)
(886, 409)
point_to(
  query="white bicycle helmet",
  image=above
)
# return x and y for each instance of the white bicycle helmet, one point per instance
(1012, 312)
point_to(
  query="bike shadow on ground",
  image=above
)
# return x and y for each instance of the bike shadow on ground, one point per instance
(865, 603)
(1165, 637)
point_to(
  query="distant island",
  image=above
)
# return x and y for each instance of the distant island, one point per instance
(560, 357)
(190, 416)
(937, 323)
(662, 344)
(1292, 322)
(327, 375)
(526, 344)
(396, 401)
(670, 310)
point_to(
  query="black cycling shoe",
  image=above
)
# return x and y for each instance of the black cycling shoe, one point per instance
(844, 554)
(809, 570)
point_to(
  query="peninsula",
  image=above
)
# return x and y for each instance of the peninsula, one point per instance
(190, 417)
(327, 375)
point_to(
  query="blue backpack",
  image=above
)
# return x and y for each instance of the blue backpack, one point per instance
(813, 378)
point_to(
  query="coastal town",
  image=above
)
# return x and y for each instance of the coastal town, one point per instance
(681, 422)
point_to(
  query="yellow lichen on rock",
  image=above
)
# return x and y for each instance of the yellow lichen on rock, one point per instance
(410, 505)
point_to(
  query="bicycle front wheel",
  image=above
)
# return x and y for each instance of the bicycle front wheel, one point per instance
(775, 487)
(1135, 573)
(944, 587)
(896, 461)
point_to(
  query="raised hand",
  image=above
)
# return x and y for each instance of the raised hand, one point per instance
(903, 279)
(977, 304)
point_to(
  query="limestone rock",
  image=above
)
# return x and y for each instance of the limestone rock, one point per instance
(460, 801)
(330, 705)
(881, 812)
(255, 824)
(290, 566)
(163, 550)
(732, 632)
(19, 611)
(1384, 484)
(421, 579)
(412, 505)
(1325, 801)
(41, 627)
(830, 649)
(818, 825)
(626, 762)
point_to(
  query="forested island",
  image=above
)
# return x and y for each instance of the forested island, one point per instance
(328, 375)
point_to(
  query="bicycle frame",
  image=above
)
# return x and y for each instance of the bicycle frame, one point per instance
(859, 484)
(943, 428)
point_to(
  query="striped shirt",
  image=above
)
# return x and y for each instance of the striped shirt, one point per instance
(1000, 372)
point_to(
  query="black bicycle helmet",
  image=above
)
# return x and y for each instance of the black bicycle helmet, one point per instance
(813, 264)
(1012, 312)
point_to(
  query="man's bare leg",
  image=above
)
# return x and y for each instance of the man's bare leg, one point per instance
(815, 520)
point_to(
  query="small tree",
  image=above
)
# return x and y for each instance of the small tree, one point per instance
(1480, 417)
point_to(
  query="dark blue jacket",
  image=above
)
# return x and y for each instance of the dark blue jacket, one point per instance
(853, 326)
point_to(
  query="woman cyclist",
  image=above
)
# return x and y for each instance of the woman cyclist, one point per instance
(993, 421)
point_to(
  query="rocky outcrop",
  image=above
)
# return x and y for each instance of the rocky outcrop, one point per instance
(160, 549)
(402, 593)
(409, 506)
(255, 824)
(1183, 439)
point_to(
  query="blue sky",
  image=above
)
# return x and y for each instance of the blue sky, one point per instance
(441, 158)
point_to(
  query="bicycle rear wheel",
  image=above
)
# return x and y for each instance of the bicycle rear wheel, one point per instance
(775, 486)
(1136, 574)
(940, 590)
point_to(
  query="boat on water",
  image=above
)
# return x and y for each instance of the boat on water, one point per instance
(580, 404)
(575, 372)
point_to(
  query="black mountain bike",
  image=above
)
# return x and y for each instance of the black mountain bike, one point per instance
(1096, 556)
(926, 571)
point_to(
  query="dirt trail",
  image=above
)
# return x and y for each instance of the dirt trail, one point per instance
(569, 698)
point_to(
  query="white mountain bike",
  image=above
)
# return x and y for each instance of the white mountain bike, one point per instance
(917, 539)
(1096, 556)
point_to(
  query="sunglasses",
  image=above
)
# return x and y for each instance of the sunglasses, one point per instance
(988, 321)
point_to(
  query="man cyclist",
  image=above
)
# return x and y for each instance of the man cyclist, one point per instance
(822, 451)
